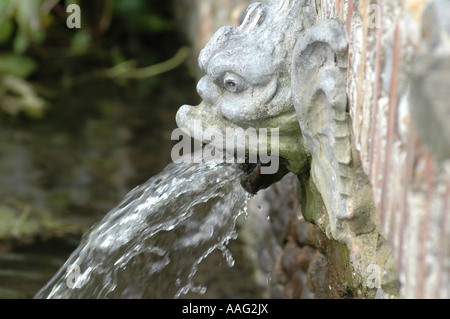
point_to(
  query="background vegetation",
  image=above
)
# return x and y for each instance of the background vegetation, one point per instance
(33, 33)
(85, 116)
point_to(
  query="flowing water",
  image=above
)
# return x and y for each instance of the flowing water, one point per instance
(151, 244)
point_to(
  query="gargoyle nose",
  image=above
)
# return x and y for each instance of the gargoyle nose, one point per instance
(207, 90)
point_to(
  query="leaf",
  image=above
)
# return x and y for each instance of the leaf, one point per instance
(28, 17)
(81, 42)
(6, 9)
(6, 27)
(156, 23)
(21, 97)
(21, 43)
(17, 65)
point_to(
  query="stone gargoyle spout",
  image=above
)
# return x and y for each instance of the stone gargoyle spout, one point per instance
(249, 76)
(285, 68)
(247, 81)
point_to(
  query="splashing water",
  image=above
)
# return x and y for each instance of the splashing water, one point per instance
(151, 244)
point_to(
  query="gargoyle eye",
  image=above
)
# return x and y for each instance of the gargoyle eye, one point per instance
(231, 83)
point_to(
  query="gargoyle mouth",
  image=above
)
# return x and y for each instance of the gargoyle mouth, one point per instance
(282, 133)
(195, 121)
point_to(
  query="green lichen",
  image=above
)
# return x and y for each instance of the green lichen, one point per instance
(313, 207)
(344, 281)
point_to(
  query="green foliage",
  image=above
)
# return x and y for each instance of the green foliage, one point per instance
(139, 15)
(16, 65)
(22, 22)
(21, 221)
(18, 95)
(30, 16)
(32, 30)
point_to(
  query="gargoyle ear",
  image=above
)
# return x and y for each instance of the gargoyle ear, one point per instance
(319, 64)
(319, 76)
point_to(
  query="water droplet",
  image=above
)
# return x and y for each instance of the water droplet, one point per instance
(228, 257)
(199, 289)
(245, 211)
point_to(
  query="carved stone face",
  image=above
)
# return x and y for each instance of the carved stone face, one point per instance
(247, 81)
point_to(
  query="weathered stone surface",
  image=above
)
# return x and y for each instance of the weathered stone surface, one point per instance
(200, 19)
(379, 186)
(430, 80)
(395, 74)
(410, 185)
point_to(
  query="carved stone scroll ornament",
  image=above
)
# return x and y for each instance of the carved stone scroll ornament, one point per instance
(319, 72)
(336, 195)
